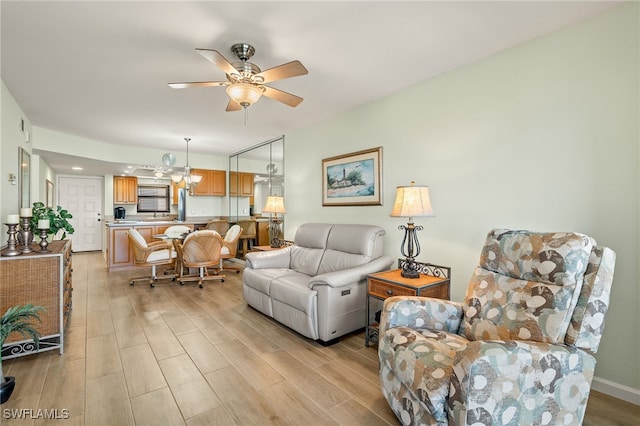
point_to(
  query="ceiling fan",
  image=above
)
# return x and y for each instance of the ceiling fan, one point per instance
(245, 81)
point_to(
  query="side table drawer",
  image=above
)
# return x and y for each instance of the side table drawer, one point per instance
(383, 289)
(438, 291)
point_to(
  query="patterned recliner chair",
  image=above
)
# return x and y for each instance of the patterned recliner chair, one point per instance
(518, 351)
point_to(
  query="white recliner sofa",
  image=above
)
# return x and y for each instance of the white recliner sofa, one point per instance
(318, 285)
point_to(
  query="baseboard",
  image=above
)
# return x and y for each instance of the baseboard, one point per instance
(616, 390)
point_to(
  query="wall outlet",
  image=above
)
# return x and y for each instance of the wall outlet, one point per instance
(245, 211)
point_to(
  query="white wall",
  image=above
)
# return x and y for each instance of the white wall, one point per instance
(12, 139)
(543, 136)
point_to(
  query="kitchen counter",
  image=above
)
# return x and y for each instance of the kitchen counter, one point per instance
(151, 222)
(119, 254)
(130, 223)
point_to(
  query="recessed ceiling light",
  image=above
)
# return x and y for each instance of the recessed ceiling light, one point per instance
(76, 168)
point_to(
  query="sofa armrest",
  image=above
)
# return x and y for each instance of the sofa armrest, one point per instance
(268, 259)
(351, 275)
(420, 312)
(550, 375)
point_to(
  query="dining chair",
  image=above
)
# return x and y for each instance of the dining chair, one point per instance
(200, 249)
(150, 254)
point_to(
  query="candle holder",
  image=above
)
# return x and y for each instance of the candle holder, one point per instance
(43, 239)
(12, 242)
(26, 234)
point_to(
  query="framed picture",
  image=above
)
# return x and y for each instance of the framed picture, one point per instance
(49, 193)
(24, 181)
(353, 179)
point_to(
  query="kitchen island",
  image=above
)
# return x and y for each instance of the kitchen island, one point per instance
(119, 255)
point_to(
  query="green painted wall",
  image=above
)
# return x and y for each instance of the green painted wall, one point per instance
(542, 136)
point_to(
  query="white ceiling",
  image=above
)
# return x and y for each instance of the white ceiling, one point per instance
(100, 70)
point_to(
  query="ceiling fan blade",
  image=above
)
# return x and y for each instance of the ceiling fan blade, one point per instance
(233, 106)
(198, 84)
(218, 60)
(288, 70)
(281, 96)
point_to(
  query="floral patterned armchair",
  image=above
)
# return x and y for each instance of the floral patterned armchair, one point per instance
(518, 350)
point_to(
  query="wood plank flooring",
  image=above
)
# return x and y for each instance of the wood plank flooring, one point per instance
(180, 355)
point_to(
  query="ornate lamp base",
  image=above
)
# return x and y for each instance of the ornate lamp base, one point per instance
(274, 233)
(410, 249)
(409, 273)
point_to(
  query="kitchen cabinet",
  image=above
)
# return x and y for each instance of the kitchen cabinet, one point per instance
(241, 184)
(213, 183)
(125, 190)
(263, 233)
(43, 279)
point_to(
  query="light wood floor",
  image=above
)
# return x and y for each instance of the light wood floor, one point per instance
(175, 355)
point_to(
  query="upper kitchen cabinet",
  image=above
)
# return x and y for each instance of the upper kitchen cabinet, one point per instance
(125, 190)
(240, 184)
(213, 183)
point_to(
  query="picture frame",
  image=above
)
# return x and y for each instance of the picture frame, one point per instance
(353, 179)
(24, 178)
(49, 193)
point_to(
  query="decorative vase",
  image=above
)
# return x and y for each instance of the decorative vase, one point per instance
(6, 388)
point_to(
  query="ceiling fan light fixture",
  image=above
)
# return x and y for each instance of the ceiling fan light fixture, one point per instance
(244, 94)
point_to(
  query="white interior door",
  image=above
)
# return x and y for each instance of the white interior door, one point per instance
(82, 197)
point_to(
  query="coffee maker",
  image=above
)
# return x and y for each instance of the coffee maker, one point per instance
(118, 213)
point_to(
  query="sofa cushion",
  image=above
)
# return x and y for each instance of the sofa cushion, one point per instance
(526, 286)
(305, 260)
(293, 290)
(310, 243)
(349, 246)
(261, 279)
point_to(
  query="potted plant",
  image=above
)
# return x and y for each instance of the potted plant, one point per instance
(57, 219)
(17, 319)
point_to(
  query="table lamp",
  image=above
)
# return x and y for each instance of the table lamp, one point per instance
(411, 201)
(275, 205)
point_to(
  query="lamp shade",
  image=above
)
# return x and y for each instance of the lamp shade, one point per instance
(195, 179)
(274, 204)
(412, 201)
(244, 94)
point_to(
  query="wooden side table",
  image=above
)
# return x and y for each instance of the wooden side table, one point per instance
(265, 248)
(383, 285)
(269, 248)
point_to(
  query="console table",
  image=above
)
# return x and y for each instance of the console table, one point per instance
(41, 279)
